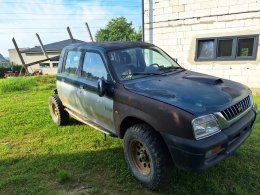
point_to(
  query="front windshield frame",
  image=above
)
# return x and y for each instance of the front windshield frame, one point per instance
(173, 62)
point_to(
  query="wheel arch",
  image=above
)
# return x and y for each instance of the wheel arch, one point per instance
(130, 121)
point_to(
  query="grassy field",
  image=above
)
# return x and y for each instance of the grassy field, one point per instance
(37, 157)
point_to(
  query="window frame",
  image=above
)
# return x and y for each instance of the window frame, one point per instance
(55, 63)
(48, 66)
(234, 56)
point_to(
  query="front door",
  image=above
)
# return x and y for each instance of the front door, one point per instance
(67, 85)
(96, 108)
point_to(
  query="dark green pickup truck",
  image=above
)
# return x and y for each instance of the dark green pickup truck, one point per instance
(168, 116)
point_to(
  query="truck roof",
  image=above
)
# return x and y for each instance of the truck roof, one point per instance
(109, 45)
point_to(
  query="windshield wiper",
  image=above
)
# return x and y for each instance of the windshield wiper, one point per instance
(140, 73)
(171, 68)
(145, 73)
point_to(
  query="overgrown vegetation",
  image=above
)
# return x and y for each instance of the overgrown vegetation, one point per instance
(38, 157)
(17, 84)
(26, 83)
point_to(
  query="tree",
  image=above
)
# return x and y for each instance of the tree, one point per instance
(119, 29)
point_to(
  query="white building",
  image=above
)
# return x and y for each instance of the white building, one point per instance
(217, 37)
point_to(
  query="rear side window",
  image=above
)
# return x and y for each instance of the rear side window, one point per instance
(72, 62)
(93, 67)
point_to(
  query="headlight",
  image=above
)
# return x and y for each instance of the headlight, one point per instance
(251, 99)
(205, 126)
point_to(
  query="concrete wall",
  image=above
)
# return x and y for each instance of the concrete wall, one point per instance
(13, 56)
(29, 57)
(38, 56)
(174, 26)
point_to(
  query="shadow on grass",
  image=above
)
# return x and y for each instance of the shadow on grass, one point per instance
(106, 171)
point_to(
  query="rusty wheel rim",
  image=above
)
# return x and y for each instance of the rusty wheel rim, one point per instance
(141, 157)
(54, 110)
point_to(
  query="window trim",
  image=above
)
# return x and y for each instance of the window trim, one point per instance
(40, 66)
(55, 63)
(234, 56)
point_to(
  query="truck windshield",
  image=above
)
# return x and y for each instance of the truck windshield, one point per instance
(140, 62)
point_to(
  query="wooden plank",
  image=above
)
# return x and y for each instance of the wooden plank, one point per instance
(42, 46)
(89, 32)
(40, 61)
(70, 34)
(20, 55)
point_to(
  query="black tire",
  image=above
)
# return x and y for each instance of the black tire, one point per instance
(58, 114)
(155, 169)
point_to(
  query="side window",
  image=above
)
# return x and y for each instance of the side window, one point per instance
(93, 67)
(72, 62)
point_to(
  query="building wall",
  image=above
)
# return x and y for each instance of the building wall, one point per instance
(29, 57)
(13, 56)
(39, 56)
(174, 25)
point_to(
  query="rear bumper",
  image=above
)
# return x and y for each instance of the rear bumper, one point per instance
(191, 154)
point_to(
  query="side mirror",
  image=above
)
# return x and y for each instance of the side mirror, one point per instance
(101, 87)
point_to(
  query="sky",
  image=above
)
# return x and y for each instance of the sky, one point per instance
(49, 18)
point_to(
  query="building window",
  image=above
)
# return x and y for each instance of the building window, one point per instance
(55, 65)
(227, 48)
(245, 47)
(206, 49)
(44, 65)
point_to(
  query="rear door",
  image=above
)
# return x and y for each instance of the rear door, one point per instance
(96, 108)
(67, 79)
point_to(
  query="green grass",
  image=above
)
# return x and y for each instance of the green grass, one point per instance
(17, 84)
(38, 157)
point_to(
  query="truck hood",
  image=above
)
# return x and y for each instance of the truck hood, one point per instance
(191, 91)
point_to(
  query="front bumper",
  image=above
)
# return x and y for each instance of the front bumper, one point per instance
(191, 154)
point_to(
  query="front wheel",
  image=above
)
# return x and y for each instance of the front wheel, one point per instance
(147, 156)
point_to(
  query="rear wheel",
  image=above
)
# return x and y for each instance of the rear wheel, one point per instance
(147, 156)
(59, 115)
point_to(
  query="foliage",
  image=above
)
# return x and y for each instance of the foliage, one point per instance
(119, 30)
(38, 157)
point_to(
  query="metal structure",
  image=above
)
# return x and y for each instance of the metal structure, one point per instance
(143, 21)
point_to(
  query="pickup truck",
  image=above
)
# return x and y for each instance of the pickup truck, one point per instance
(168, 116)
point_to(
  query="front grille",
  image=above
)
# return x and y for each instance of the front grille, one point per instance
(236, 109)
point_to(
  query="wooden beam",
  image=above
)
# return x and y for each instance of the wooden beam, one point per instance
(20, 55)
(70, 34)
(40, 61)
(89, 32)
(42, 46)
